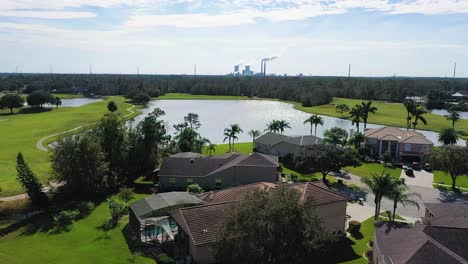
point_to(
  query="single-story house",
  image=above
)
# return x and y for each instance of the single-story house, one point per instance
(216, 172)
(442, 237)
(281, 145)
(201, 223)
(402, 144)
(459, 96)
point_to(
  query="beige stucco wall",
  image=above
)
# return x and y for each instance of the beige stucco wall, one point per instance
(333, 215)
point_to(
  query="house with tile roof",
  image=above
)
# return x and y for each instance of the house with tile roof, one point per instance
(216, 172)
(440, 238)
(201, 223)
(402, 144)
(281, 145)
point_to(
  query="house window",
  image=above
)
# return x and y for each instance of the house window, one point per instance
(407, 147)
(189, 180)
(172, 180)
(219, 182)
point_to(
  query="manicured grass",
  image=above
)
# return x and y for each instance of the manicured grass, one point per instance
(390, 114)
(242, 147)
(68, 96)
(358, 244)
(85, 242)
(20, 132)
(443, 178)
(182, 96)
(366, 170)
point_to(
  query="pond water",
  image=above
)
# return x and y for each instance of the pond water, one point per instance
(443, 112)
(216, 115)
(75, 102)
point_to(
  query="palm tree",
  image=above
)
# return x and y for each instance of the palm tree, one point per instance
(273, 126)
(227, 135)
(417, 114)
(335, 136)
(448, 136)
(235, 129)
(399, 195)
(453, 116)
(367, 108)
(282, 125)
(380, 185)
(410, 105)
(314, 120)
(356, 116)
(254, 134)
(342, 108)
(356, 139)
(211, 148)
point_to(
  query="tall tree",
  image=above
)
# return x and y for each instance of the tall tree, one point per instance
(39, 98)
(282, 125)
(187, 136)
(356, 138)
(366, 108)
(453, 116)
(11, 101)
(235, 130)
(30, 182)
(254, 134)
(356, 116)
(451, 159)
(417, 114)
(57, 102)
(273, 227)
(211, 148)
(410, 106)
(327, 158)
(314, 121)
(80, 162)
(399, 195)
(228, 136)
(112, 106)
(336, 136)
(273, 126)
(380, 185)
(341, 109)
(448, 136)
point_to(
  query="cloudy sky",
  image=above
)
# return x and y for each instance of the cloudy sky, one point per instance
(315, 37)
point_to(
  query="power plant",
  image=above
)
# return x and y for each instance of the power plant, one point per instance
(263, 64)
(248, 72)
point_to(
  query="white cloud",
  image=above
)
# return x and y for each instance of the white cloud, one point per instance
(48, 14)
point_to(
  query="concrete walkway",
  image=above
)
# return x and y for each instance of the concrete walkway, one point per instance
(40, 142)
(46, 189)
(421, 178)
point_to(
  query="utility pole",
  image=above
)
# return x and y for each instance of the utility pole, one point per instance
(16, 69)
(454, 70)
(195, 70)
(349, 71)
(51, 72)
(138, 70)
(90, 69)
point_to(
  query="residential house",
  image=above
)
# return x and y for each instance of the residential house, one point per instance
(281, 145)
(442, 237)
(216, 172)
(400, 143)
(459, 96)
(201, 223)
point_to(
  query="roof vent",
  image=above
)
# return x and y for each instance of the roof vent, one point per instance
(191, 161)
(204, 231)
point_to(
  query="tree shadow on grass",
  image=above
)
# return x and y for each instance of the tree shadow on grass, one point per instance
(133, 243)
(33, 110)
(346, 251)
(357, 235)
(41, 223)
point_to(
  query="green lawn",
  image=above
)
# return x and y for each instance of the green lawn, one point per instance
(358, 244)
(68, 96)
(391, 114)
(20, 132)
(366, 170)
(443, 178)
(84, 243)
(242, 147)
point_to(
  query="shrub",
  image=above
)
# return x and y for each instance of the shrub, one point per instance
(66, 217)
(194, 188)
(126, 194)
(294, 177)
(85, 208)
(354, 227)
(163, 258)
(116, 208)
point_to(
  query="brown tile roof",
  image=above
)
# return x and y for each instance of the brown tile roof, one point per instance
(440, 239)
(397, 134)
(202, 166)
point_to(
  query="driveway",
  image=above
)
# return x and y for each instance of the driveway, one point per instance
(421, 178)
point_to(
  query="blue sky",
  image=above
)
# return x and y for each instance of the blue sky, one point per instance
(378, 37)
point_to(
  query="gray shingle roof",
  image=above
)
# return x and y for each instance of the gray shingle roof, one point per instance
(271, 138)
(161, 201)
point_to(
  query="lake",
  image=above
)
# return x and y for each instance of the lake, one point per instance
(216, 115)
(443, 112)
(75, 102)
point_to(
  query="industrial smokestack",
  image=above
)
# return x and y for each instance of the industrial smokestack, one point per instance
(261, 66)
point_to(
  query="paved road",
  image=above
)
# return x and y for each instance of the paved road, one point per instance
(46, 189)
(420, 178)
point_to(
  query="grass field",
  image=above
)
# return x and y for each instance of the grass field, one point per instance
(69, 96)
(243, 147)
(84, 243)
(391, 114)
(366, 170)
(443, 178)
(20, 132)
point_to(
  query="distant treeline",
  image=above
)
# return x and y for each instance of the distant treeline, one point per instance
(307, 90)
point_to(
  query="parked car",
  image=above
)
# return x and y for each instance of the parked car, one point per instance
(415, 166)
(427, 167)
(409, 172)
